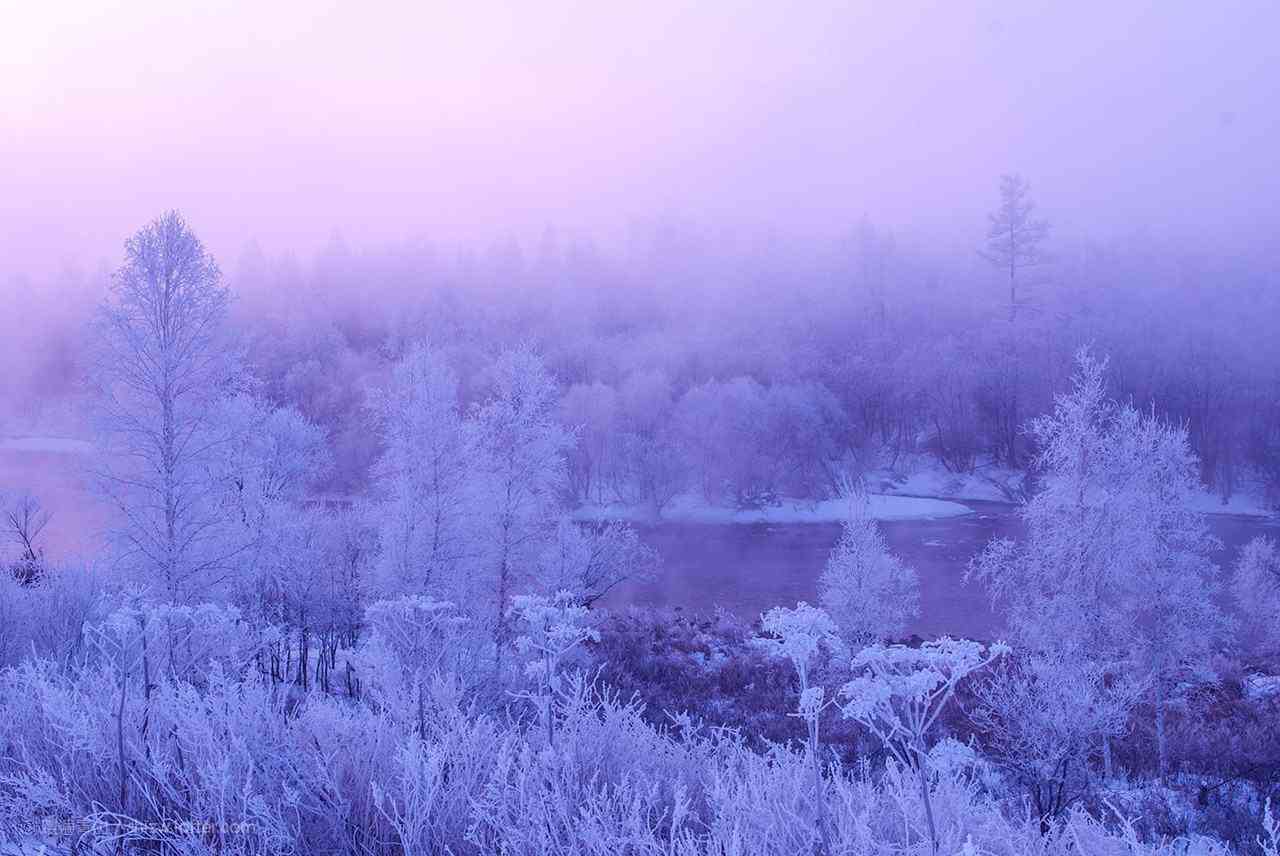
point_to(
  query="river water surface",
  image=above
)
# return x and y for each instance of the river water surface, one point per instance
(747, 568)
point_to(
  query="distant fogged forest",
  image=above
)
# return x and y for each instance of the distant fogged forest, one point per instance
(748, 364)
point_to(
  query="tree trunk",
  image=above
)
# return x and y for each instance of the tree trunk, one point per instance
(1162, 743)
(124, 780)
(422, 712)
(928, 804)
(500, 625)
(1013, 291)
(819, 795)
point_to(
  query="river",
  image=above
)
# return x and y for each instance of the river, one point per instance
(747, 568)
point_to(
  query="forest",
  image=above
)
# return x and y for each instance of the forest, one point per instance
(352, 594)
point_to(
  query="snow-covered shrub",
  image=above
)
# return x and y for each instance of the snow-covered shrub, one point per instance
(1256, 588)
(416, 648)
(168, 763)
(46, 617)
(211, 758)
(221, 767)
(427, 800)
(1043, 720)
(800, 635)
(898, 693)
(1270, 839)
(551, 629)
(171, 640)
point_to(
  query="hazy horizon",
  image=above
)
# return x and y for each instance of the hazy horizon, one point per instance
(396, 123)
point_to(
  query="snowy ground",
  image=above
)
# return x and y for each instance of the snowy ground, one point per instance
(690, 508)
(925, 477)
(916, 488)
(1250, 503)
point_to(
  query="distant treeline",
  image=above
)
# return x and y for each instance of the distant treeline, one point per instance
(750, 366)
(745, 369)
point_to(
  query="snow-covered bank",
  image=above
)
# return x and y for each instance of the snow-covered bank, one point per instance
(692, 509)
(924, 476)
(1246, 504)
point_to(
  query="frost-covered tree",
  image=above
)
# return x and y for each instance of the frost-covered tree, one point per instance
(271, 457)
(282, 572)
(521, 477)
(651, 465)
(808, 429)
(161, 368)
(1256, 588)
(591, 412)
(1043, 719)
(875, 256)
(948, 380)
(697, 419)
(589, 560)
(1115, 566)
(724, 426)
(1014, 236)
(425, 476)
(23, 521)
(867, 591)
(653, 469)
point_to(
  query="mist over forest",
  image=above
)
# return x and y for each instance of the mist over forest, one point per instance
(888, 346)
(683, 429)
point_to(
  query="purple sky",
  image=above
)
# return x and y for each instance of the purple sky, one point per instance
(286, 121)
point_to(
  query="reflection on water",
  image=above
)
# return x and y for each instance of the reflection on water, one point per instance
(749, 568)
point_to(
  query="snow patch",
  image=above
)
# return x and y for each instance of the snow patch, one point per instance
(692, 509)
(1246, 504)
(921, 475)
(1261, 687)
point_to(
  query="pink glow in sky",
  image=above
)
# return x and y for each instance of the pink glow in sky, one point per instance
(286, 121)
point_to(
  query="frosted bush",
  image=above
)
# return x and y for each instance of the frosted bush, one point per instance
(227, 764)
(550, 630)
(899, 692)
(800, 635)
(178, 641)
(415, 649)
(46, 617)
